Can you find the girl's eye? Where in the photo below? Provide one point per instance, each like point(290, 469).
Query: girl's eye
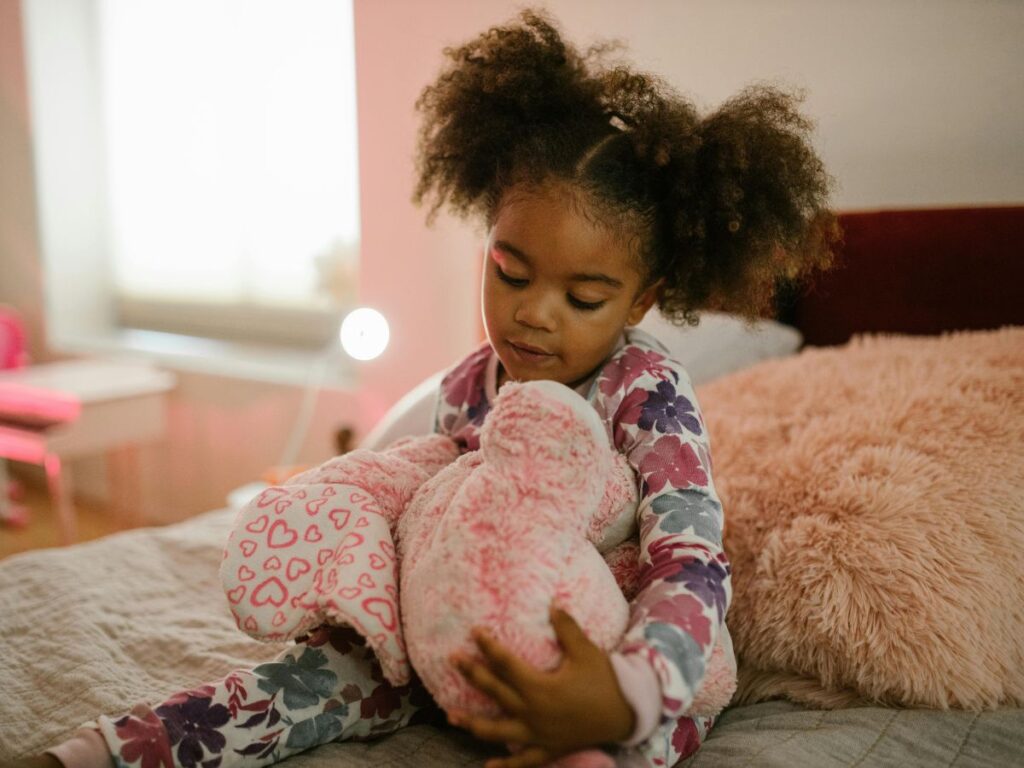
point(518, 282)
point(515, 282)
point(586, 306)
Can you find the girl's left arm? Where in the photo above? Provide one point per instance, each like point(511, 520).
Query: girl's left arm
point(685, 578)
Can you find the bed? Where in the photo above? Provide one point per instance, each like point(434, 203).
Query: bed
point(135, 616)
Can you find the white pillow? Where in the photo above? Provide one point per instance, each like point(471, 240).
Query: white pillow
point(412, 415)
point(721, 344)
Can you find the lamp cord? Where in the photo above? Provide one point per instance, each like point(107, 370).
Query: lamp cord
point(314, 383)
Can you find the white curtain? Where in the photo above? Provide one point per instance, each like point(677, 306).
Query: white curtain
point(231, 148)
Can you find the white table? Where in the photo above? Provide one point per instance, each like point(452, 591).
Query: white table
point(58, 411)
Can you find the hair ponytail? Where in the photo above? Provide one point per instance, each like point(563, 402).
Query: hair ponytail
point(513, 99)
point(752, 211)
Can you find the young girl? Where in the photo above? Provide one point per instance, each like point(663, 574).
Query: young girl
point(604, 193)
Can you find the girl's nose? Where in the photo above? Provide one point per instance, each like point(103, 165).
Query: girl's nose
point(535, 313)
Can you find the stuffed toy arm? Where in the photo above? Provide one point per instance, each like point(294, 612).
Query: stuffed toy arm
point(320, 549)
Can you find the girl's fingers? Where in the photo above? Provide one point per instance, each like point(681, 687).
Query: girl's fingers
point(568, 632)
point(484, 680)
point(504, 729)
point(506, 665)
point(528, 758)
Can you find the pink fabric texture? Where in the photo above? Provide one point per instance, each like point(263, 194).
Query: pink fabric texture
point(639, 686)
point(320, 548)
point(876, 502)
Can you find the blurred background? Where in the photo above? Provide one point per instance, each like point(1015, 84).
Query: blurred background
point(211, 185)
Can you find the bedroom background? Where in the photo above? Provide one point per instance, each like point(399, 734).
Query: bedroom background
point(916, 105)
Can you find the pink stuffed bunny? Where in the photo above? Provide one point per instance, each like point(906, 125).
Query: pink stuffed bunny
point(490, 538)
point(493, 539)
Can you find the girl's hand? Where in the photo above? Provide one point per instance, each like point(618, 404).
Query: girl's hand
point(575, 706)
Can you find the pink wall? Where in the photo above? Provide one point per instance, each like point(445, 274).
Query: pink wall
point(423, 280)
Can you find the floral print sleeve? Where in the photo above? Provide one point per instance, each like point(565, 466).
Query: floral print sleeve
point(462, 403)
point(648, 403)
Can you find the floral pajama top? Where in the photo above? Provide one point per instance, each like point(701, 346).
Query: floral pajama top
point(648, 407)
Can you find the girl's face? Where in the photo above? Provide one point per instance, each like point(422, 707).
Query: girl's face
point(557, 289)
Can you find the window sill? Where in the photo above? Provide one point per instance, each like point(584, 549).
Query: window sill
point(215, 357)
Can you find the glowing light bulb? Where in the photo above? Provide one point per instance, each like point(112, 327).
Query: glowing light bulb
point(364, 333)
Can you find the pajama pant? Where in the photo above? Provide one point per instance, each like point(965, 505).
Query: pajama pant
point(327, 687)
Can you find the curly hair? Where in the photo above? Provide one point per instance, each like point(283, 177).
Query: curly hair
point(720, 208)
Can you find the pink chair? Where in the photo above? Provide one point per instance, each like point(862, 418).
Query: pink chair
point(12, 355)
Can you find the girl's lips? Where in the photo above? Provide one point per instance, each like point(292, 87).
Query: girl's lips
point(529, 348)
point(527, 355)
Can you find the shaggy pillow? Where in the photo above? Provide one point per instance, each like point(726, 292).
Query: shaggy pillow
point(874, 495)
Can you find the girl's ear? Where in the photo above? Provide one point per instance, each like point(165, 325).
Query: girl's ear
point(643, 302)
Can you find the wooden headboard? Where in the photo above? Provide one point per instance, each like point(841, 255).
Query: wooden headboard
point(916, 272)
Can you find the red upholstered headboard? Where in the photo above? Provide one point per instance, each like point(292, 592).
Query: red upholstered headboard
point(917, 272)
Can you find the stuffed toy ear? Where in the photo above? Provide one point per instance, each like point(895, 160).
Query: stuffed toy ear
point(320, 548)
point(541, 415)
point(305, 555)
point(547, 435)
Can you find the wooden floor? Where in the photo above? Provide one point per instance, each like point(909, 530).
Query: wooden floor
point(42, 529)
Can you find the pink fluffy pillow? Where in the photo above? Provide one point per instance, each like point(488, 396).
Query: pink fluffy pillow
point(875, 503)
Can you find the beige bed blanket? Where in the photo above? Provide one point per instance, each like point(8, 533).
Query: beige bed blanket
point(96, 628)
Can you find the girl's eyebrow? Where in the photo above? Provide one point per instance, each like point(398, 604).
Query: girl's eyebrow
point(579, 277)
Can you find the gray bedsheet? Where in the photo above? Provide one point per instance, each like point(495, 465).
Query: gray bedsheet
point(97, 627)
point(778, 733)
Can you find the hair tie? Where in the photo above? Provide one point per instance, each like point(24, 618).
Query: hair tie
point(618, 121)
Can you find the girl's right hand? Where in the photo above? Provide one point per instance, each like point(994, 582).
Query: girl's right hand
point(576, 706)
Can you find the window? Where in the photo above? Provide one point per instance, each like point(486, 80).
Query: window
point(197, 165)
